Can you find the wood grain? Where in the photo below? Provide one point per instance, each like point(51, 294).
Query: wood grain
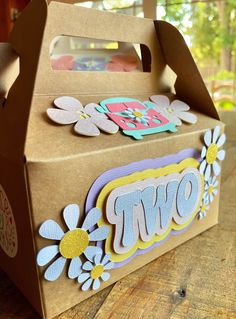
point(194, 281)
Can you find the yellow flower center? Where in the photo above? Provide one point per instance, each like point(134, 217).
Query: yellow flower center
point(170, 110)
point(210, 190)
point(211, 154)
point(83, 115)
point(203, 208)
point(74, 243)
point(137, 114)
point(97, 271)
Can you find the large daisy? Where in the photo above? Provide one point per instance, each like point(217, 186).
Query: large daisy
point(176, 111)
point(96, 270)
point(88, 121)
point(211, 153)
point(72, 243)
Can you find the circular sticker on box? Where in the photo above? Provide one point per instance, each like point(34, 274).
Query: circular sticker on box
point(8, 233)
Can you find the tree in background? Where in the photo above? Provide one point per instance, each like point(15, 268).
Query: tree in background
point(210, 27)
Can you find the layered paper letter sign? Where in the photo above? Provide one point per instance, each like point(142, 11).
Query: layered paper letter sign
point(132, 209)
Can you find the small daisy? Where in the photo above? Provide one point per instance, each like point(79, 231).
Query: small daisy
point(211, 153)
point(96, 269)
point(175, 112)
point(72, 244)
point(137, 115)
point(210, 189)
point(203, 210)
point(88, 121)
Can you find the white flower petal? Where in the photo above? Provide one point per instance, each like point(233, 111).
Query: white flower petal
point(188, 117)
point(216, 168)
point(68, 103)
point(179, 106)
point(62, 117)
point(159, 109)
point(87, 284)
point(105, 125)
point(55, 269)
point(96, 284)
point(221, 155)
point(75, 268)
point(160, 100)
point(173, 118)
point(208, 172)
point(91, 252)
point(91, 218)
point(211, 198)
point(202, 215)
point(215, 192)
point(105, 276)
point(207, 200)
point(207, 138)
point(91, 110)
point(106, 259)
point(83, 277)
point(46, 254)
point(216, 134)
point(214, 180)
point(204, 151)
point(109, 266)
point(97, 259)
point(86, 127)
point(71, 216)
point(87, 266)
point(51, 230)
point(221, 140)
point(215, 183)
point(100, 233)
point(202, 167)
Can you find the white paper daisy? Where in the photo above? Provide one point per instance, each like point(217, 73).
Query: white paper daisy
point(88, 121)
point(137, 115)
point(72, 244)
point(175, 112)
point(96, 270)
point(210, 189)
point(211, 153)
point(203, 210)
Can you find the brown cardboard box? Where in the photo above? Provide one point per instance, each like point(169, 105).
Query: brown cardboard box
point(44, 168)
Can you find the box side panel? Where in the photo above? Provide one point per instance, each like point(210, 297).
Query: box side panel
point(17, 256)
point(57, 184)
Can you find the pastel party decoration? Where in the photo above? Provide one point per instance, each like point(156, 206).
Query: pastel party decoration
point(212, 153)
point(203, 210)
point(72, 244)
point(65, 62)
point(136, 119)
point(88, 121)
point(142, 208)
point(8, 231)
point(175, 111)
point(122, 63)
point(211, 189)
point(95, 270)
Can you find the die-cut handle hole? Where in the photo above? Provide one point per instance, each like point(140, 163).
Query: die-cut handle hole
point(80, 54)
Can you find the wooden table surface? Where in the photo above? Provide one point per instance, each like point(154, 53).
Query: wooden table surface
point(194, 281)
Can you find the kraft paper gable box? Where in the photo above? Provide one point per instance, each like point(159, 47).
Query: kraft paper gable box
point(78, 213)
